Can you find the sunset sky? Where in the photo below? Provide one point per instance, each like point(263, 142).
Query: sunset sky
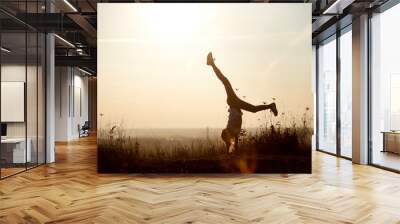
point(152, 69)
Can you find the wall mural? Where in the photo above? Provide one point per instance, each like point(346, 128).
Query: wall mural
point(204, 88)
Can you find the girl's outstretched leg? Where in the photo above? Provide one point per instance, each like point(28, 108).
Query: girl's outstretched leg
point(254, 109)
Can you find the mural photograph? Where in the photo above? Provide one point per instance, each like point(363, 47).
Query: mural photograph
point(204, 88)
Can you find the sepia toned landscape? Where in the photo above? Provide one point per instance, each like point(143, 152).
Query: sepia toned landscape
point(204, 88)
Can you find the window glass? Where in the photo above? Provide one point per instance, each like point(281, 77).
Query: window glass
point(346, 94)
point(385, 88)
point(327, 96)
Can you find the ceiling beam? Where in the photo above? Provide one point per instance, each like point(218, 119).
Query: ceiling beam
point(84, 24)
point(82, 61)
point(337, 6)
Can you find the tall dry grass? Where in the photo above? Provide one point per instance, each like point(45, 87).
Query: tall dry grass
point(283, 138)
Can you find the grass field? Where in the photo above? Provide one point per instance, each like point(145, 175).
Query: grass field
point(271, 148)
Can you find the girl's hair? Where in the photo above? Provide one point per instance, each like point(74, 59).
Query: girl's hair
point(226, 135)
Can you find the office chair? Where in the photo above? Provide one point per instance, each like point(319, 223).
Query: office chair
point(84, 130)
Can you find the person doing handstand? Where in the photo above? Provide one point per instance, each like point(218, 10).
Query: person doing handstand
point(230, 134)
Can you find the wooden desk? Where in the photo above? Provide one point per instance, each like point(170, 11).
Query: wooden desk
point(15, 148)
point(391, 141)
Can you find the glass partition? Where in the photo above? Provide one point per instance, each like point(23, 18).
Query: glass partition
point(13, 94)
point(22, 88)
point(31, 97)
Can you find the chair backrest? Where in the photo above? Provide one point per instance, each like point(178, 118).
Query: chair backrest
point(86, 124)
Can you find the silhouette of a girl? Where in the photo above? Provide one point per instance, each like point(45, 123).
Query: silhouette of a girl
point(230, 134)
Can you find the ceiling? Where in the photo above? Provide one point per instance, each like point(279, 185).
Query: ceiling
point(76, 22)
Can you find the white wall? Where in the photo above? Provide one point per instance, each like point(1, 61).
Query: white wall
point(81, 89)
point(12, 73)
point(62, 81)
point(71, 87)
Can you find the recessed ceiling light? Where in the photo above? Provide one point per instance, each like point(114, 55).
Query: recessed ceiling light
point(70, 5)
point(64, 40)
point(84, 71)
point(338, 6)
point(5, 50)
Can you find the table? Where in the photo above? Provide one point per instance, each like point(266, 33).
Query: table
point(15, 148)
point(391, 141)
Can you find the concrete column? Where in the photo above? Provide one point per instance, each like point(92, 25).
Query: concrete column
point(360, 90)
point(50, 110)
point(50, 92)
